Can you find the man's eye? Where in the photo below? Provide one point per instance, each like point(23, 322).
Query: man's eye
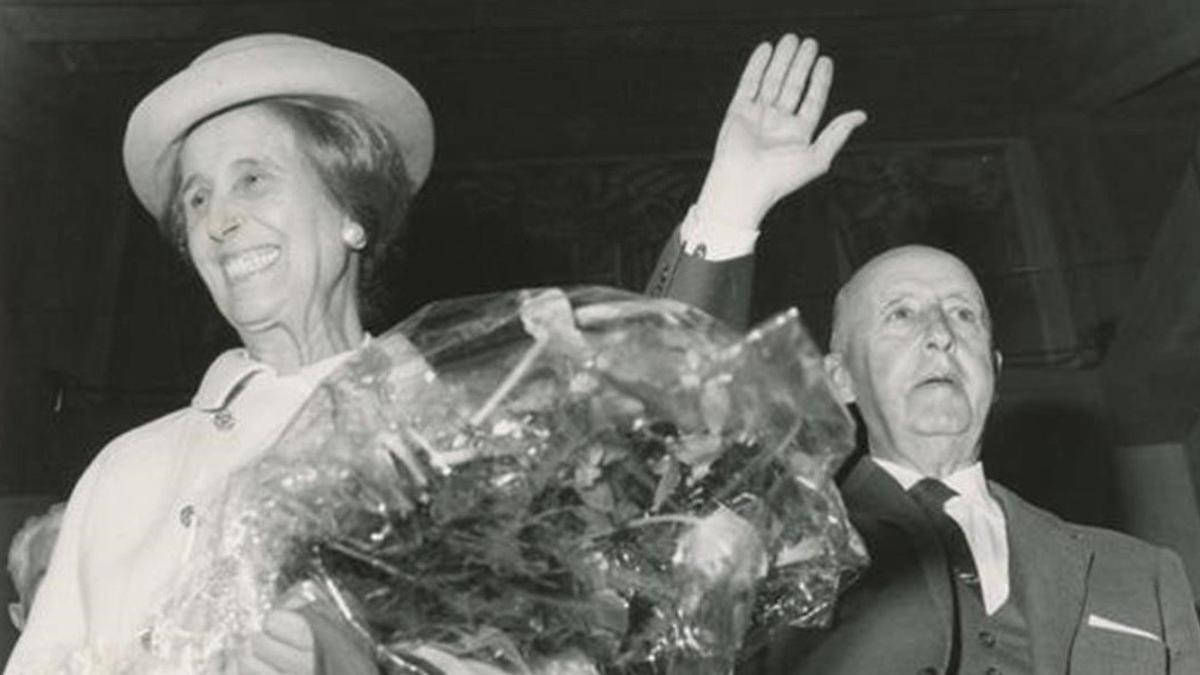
point(196, 200)
point(966, 314)
point(900, 314)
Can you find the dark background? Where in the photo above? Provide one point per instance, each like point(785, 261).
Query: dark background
point(1052, 143)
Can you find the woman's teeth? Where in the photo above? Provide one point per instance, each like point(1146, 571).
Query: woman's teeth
point(249, 262)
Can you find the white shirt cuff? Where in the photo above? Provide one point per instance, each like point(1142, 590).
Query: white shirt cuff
point(714, 241)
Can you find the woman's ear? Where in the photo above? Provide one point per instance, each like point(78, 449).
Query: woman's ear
point(354, 235)
point(839, 378)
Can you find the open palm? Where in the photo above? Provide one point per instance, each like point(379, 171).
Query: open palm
point(766, 147)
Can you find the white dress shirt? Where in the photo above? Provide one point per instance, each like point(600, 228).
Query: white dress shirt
point(982, 521)
point(715, 241)
point(130, 524)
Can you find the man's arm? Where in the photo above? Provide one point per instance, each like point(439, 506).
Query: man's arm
point(765, 151)
point(721, 288)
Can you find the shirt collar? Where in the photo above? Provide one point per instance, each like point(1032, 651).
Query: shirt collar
point(229, 372)
point(968, 481)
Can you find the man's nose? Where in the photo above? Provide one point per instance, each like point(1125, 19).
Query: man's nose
point(938, 334)
point(222, 223)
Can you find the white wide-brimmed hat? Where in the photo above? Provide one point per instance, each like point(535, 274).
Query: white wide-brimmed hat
point(258, 66)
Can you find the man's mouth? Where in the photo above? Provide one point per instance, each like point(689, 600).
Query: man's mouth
point(249, 262)
point(939, 380)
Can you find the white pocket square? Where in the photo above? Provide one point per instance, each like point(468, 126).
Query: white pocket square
point(1097, 621)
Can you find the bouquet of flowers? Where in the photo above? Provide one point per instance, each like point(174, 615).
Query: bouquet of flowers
point(513, 477)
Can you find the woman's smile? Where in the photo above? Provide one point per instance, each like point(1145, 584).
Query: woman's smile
point(242, 265)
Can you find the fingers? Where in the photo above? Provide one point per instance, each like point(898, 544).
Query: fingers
point(285, 645)
point(777, 69)
point(835, 134)
point(752, 74)
point(288, 628)
point(248, 664)
point(818, 92)
point(797, 76)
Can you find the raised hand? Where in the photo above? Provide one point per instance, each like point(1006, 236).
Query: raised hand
point(765, 149)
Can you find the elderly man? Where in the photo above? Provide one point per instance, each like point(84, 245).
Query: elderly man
point(966, 577)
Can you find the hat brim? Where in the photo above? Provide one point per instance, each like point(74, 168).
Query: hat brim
point(261, 66)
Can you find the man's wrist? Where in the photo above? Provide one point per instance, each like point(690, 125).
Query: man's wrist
point(716, 238)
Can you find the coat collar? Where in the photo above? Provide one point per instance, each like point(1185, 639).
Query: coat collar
point(230, 372)
point(225, 376)
point(1049, 566)
point(872, 494)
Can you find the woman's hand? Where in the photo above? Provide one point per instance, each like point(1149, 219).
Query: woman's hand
point(765, 149)
point(285, 645)
point(306, 635)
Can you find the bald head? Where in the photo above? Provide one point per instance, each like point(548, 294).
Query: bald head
point(912, 346)
point(902, 261)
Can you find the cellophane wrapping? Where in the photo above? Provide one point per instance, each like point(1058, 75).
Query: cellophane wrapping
point(585, 477)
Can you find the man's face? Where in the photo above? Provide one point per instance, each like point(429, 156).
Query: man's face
point(917, 353)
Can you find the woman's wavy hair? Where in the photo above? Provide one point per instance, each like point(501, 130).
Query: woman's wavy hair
point(359, 163)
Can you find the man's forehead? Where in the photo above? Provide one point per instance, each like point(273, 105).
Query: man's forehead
point(914, 270)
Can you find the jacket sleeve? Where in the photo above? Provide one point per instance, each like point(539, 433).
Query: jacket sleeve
point(720, 288)
point(1181, 628)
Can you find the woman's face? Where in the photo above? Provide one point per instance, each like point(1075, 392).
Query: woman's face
point(261, 227)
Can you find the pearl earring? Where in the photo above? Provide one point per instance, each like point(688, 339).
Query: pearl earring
point(354, 236)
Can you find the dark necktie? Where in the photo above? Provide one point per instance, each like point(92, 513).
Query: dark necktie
point(932, 495)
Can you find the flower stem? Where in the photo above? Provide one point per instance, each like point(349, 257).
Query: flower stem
point(509, 382)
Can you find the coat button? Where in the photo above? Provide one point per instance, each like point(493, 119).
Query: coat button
point(187, 515)
point(223, 420)
point(992, 670)
point(928, 670)
point(987, 639)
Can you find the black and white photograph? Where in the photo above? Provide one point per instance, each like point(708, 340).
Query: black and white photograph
point(600, 337)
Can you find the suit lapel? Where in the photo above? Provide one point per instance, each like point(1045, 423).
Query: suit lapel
point(1049, 567)
point(871, 493)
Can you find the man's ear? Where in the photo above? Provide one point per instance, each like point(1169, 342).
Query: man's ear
point(839, 378)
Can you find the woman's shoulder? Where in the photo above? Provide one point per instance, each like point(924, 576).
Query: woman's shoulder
point(144, 445)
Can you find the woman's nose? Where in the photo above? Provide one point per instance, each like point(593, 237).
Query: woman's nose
point(221, 224)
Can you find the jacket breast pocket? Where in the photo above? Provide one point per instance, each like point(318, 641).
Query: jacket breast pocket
point(1104, 652)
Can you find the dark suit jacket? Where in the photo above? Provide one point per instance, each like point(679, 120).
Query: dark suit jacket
point(1067, 578)
point(721, 289)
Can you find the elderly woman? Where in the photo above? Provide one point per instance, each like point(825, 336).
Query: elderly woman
point(283, 167)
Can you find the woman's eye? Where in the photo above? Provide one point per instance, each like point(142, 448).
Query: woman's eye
point(196, 200)
point(252, 180)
